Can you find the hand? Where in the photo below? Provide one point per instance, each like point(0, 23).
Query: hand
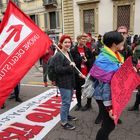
point(47, 51)
point(111, 115)
point(82, 76)
point(84, 59)
point(72, 64)
point(135, 69)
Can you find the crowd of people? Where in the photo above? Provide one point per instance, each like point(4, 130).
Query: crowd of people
point(100, 59)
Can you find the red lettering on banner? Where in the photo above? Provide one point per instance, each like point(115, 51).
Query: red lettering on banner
point(39, 117)
point(27, 132)
point(53, 113)
point(52, 109)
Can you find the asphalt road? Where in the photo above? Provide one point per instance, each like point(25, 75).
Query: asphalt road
point(32, 85)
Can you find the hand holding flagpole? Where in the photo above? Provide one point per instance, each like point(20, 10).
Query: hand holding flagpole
point(71, 63)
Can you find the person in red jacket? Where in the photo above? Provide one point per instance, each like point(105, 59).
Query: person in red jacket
point(45, 59)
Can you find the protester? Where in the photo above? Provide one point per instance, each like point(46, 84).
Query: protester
point(106, 64)
point(83, 59)
point(65, 80)
point(127, 51)
point(99, 44)
point(45, 59)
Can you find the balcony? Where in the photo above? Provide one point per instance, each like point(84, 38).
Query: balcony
point(50, 3)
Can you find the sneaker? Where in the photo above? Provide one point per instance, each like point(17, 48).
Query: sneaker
point(71, 118)
point(133, 108)
point(12, 96)
point(45, 84)
point(18, 100)
point(53, 83)
point(3, 106)
point(68, 126)
point(119, 121)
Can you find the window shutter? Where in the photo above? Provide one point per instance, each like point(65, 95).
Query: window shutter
point(45, 20)
point(36, 20)
point(57, 20)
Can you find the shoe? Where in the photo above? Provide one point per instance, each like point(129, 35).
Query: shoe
point(68, 126)
point(12, 96)
point(86, 107)
point(45, 84)
point(3, 106)
point(119, 121)
point(133, 108)
point(77, 108)
point(71, 118)
point(53, 83)
point(98, 120)
point(18, 100)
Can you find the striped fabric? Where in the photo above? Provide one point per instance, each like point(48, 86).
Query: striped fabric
point(106, 64)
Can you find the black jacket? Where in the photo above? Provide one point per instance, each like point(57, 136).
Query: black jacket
point(65, 74)
point(78, 59)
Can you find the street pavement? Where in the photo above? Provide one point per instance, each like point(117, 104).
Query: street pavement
point(86, 129)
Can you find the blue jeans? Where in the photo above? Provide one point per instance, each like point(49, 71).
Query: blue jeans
point(66, 96)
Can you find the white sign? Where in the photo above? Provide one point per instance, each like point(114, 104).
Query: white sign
point(32, 119)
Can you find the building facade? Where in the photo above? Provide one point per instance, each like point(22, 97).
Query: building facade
point(100, 16)
point(47, 14)
point(56, 17)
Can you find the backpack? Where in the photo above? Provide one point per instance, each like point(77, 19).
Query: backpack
point(51, 69)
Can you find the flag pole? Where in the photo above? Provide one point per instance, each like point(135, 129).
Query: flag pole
point(68, 59)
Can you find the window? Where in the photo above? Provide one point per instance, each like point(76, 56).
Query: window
point(34, 18)
point(88, 20)
point(51, 20)
point(52, 16)
point(124, 14)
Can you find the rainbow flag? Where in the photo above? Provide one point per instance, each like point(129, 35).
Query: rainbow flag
point(106, 64)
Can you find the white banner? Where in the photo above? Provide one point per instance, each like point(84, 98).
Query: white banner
point(33, 119)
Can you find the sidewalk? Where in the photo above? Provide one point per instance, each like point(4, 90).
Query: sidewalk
point(86, 129)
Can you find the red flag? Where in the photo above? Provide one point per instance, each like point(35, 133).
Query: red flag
point(123, 83)
point(22, 43)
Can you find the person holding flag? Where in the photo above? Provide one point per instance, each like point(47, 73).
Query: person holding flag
point(102, 71)
point(65, 79)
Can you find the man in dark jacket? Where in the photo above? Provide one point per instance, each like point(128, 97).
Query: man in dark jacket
point(127, 51)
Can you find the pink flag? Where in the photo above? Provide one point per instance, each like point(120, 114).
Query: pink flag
point(123, 83)
point(22, 43)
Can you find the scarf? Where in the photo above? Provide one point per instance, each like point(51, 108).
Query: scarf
point(106, 64)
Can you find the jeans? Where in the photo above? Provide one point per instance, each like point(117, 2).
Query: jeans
point(66, 96)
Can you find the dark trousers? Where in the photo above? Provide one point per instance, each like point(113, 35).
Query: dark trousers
point(137, 102)
point(16, 91)
point(99, 103)
point(45, 71)
point(79, 83)
point(107, 125)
